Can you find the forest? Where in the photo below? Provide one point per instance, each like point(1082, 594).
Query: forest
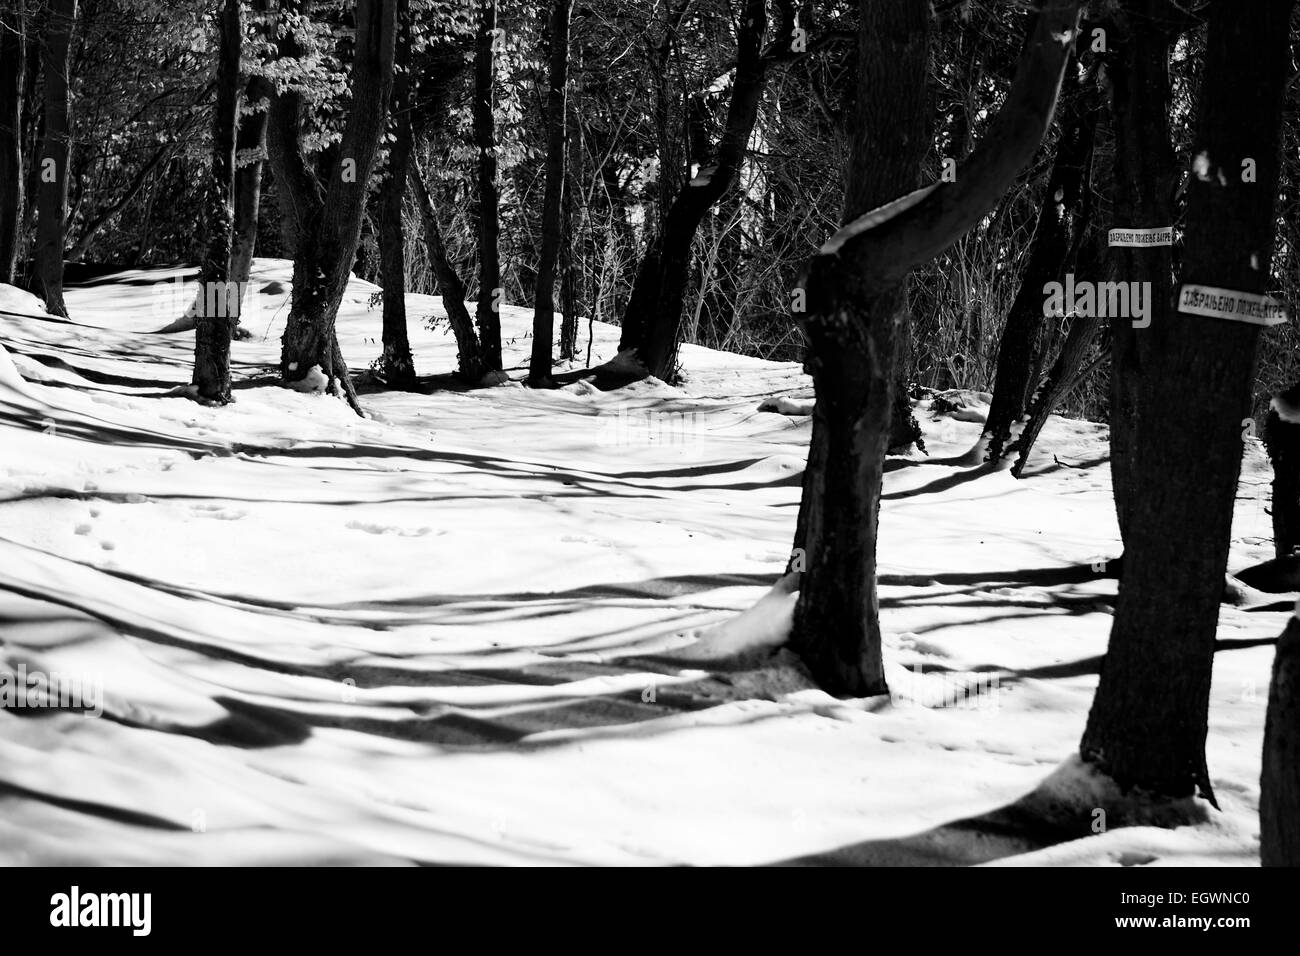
point(650, 432)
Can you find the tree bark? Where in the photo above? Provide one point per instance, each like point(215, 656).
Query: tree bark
point(396, 362)
point(856, 311)
point(539, 370)
point(1282, 439)
point(13, 52)
point(652, 318)
point(489, 266)
point(250, 144)
point(1279, 783)
point(326, 219)
point(218, 305)
point(1149, 719)
point(56, 156)
point(1020, 353)
point(450, 287)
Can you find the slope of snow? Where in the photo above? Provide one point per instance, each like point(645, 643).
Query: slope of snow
point(493, 625)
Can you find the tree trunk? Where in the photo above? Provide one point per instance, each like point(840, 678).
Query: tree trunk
point(1020, 353)
point(326, 221)
point(56, 156)
point(251, 144)
point(13, 51)
point(1282, 439)
point(539, 370)
point(652, 319)
point(1149, 718)
point(487, 312)
point(397, 364)
point(1279, 782)
point(469, 356)
point(219, 300)
point(856, 318)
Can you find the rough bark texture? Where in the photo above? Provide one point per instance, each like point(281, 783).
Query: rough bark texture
point(396, 363)
point(856, 314)
point(1020, 353)
point(13, 51)
point(216, 314)
point(326, 219)
point(468, 353)
point(56, 155)
point(1279, 782)
point(1146, 176)
point(1149, 718)
point(489, 226)
point(652, 318)
point(552, 223)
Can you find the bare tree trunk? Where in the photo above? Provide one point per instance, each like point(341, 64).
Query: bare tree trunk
point(397, 364)
point(856, 310)
point(248, 177)
point(327, 218)
point(1279, 784)
point(652, 318)
point(13, 52)
point(489, 228)
point(450, 287)
point(1149, 719)
point(539, 371)
point(1020, 353)
point(219, 300)
point(56, 155)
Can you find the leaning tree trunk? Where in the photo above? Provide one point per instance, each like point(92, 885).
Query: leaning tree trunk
point(1279, 783)
point(1156, 675)
point(856, 311)
point(487, 313)
point(56, 156)
point(326, 220)
point(219, 299)
point(398, 367)
point(1020, 353)
point(652, 318)
point(13, 49)
point(539, 369)
point(470, 364)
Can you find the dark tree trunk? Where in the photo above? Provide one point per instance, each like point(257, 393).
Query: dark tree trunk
point(856, 317)
point(251, 141)
point(397, 364)
point(1282, 439)
point(450, 286)
point(218, 307)
point(1149, 718)
point(539, 370)
point(1020, 353)
point(56, 156)
point(1279, 783)
point(326, 219)
point(1143, 194)
point(13, 52)
point(652, 319)
point(486, 313)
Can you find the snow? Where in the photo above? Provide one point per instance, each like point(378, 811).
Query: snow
point(508, 625)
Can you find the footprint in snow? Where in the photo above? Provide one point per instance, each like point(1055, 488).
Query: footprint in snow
point(1134, 858)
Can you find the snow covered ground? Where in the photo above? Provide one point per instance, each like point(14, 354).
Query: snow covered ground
point(431, 636)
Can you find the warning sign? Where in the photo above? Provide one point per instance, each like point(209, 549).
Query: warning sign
point(1230, 304)
point(1160, 236)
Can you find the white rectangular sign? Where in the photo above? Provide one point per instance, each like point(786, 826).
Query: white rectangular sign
point(1159, 236)
point(1230, 304)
